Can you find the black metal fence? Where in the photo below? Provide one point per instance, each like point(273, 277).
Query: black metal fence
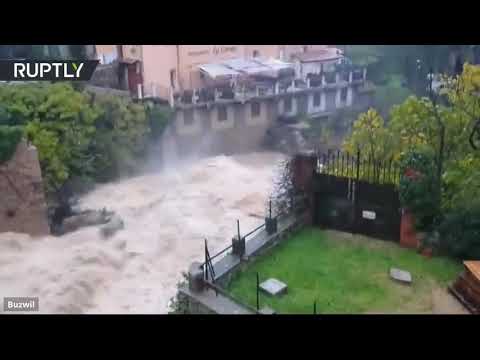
point(359, 167)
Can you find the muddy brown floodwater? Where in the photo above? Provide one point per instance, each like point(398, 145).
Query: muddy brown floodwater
point(167, 216)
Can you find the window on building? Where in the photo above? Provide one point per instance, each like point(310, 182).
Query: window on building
point(287, 104)
point(316, 99)
point(222, 113)
point(172, 78)
point(255, 109)
point(343, 94)
point(188, 117)
point(256, 53)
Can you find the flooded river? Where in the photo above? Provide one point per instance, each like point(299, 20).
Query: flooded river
point(167, 216)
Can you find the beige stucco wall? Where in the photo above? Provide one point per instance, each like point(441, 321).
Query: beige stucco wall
point(193, 55)
point(263, 50)
point(158, 61)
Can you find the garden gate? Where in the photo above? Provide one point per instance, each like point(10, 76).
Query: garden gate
point(357, 195)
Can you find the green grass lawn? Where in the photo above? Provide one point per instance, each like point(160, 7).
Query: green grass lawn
point(344, 274)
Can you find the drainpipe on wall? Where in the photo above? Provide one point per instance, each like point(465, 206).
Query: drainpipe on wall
point(142, 68)
point(119, 52)
point(179, 78)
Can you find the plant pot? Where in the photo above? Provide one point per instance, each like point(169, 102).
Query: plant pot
point(427, 252)
point(420, 239)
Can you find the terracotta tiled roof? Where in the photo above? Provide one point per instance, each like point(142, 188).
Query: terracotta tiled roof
point(319, 55)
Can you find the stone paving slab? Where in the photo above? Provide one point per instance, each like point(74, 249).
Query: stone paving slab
point(401, 275)
point(273, 287)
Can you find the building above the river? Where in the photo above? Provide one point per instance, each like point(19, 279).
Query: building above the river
point(227, 98)
point(184, 74)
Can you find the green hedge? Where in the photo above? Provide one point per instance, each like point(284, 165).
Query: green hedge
point(418, 189)
point(459, 233)
point(10, 136)
point(79, 135)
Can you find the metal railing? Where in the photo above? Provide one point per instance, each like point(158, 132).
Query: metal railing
point(358, 167)
point(208, 266)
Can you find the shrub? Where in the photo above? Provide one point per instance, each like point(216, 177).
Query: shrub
point(178, 304)
point(78, 135)
point(418, 190)
point(158, 118)
point(9, 138)
point(122, 134)
point(459, 233)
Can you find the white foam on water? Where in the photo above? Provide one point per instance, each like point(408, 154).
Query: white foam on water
point(167, 216)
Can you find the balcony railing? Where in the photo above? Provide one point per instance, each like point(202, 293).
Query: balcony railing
point(254, 89)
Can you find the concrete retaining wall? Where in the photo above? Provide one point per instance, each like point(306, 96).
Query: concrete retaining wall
point(198, 129)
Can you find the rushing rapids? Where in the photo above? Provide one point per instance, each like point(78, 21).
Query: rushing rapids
point(167, 216)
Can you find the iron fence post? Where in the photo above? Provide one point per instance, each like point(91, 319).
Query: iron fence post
point(205, 266)
point(338, 163)
point(355, 195)
point(238, 229)
point(358, 165)
point(258, 292)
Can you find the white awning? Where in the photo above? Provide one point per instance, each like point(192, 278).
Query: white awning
point(249, 67)
point(240, 66)
point(275, 64)
point(218, 70)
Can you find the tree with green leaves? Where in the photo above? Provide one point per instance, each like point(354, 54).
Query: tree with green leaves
point(440, 131)
point(58, 121)
point(416, 125)
point(372, 139)
point(78, 135)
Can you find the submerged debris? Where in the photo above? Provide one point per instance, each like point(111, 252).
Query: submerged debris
point(114, 225)
point(85, 218)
